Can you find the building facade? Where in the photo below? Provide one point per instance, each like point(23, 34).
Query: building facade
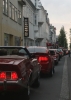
point(11, 14)
point(12, 23)
point(52, 34)
point(43, 24)
point(42, 34)
point(29, 11)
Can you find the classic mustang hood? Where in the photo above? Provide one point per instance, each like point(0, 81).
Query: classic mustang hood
point(13, 59)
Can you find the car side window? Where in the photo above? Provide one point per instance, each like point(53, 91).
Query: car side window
point(22, 52)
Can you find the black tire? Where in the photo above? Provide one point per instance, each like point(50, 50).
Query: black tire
point(59, 59)
point(57, 63)
point(51, 72)
point(36, 82)
point(25, 94)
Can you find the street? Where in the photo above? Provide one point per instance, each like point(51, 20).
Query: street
point(55, 88)
point(50, 88)
point(35, 35)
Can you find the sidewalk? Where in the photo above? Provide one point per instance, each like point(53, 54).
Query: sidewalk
point(69, 74)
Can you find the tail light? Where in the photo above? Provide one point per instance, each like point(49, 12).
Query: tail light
point(8, 75)
point(43, 59)
point(14, 76)
point(3, 75)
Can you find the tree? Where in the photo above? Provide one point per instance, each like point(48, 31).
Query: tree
point(70, 39)
point(70, 46)
point(62, 38)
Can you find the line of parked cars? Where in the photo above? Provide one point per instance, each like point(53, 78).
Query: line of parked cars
point(21, 67)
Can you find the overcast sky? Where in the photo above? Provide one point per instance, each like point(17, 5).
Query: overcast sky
point(59, 13)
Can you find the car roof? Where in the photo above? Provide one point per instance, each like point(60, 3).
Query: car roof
point(38, 47)
point(52, 49)
point(12, 47)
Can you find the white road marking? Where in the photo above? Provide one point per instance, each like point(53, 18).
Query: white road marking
point(64, 95)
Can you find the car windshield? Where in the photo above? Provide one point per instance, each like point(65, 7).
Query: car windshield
point(37, 50)
point(52, 52)
point(13, 51)
point(60, 50)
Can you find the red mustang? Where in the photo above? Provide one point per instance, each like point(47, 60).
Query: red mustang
point(44, 58)
point(18, 70)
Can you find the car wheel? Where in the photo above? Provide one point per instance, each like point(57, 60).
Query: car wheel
point(36, 82)
point(51, 72)
point(57, 62)
point(59, 58)
point(26, 94)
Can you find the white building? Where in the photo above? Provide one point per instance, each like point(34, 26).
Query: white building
point(42, 35)
point(43, 27)
point(39, 25)
point(52, 34)
point(29, 11)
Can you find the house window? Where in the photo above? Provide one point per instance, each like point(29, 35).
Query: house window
point(19, 17)
point(5, 7)
point(10, 10)
point(17, 41)
point(13, 12)
point(6, 39)
point(16, 14)
point(35, 3)
point(35, 20)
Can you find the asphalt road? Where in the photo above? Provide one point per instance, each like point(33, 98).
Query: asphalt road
point(54, 88)
point(50, 88)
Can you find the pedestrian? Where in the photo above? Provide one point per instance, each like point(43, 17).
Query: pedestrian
point(69, 53)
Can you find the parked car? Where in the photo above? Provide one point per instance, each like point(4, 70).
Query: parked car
point(65, 51)
point(44, 58)
point(60, 52)
point(54, 54)
point(18, 70)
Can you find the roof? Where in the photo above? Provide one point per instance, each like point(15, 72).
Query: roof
point(39, 49)
point(52, 49)
point(12, 47)
point(36, 47)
